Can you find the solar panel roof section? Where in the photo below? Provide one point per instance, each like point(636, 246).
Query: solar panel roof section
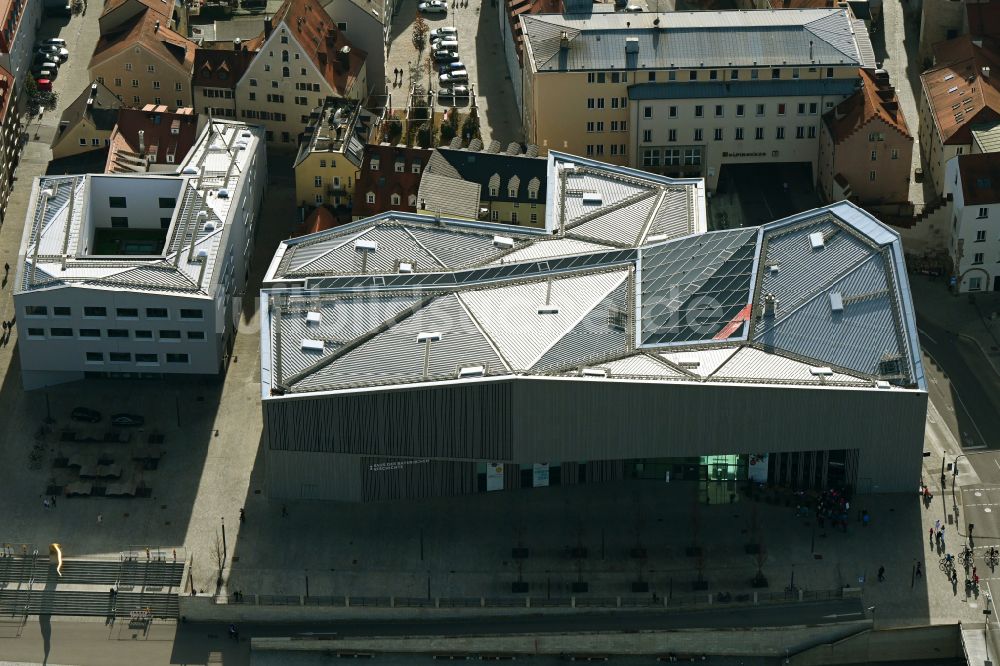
point(693, 287)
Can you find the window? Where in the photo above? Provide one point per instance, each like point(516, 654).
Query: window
point(719, 111)
point(692, 156)
point(191, 313)
point(117, 202)
point(652, 76)
point(156, 313)
point(781, 109)
point(739, 110)
point(120, 357)
point(61, 332)
point(672, 157)
point(253, 82)
point(370, 197)
point(673, 112)
point(127, 313)
point(776, 73)
point(146, 359)
point(590, 126)
point(829, 72)
point(135, 83)
point(318, 181)
point(647, 135)
point(758, 133)
point(651, 157)
point(117, 332)
point(119, 222)
point(590, 151)
point(647, 112)
point(980, 235)
point(760, 110)
point(36, 333)
point(977, 258)
point(196, 335)
point(253, 96)
point(178, 87)
point(718, 134)
point(672, 75)
point(811, 133)
point(600, 102)
point(128, 67)
point(60, 311)
point(156, 85)
point(168, 202)
point(739, 133)
point(83, 142)
point(394, 199)
point(118, 81)
point(415, 167)
point(813, 108)
point(984, 212)
point(318, 199)
point(802, 109)
point(95, 311)
point(170, 335)
point(693, 75)
point(534, 216)
point(734, 74)
point(672, 135)
point(698, 135)
point(90, 333)
point(373, 165)
point(800, 132)
point(754, 74)
point(95, 357)
point(713, 74)
point(871, 176)
point(143, 335)
point(342, 26)
point(779, 133)
point(874, 155)
point(285, 72)
point(894, 154)
point(513, 217)
point(699, 111)
point(494, 215)
point(975, 283)
point(795, 72)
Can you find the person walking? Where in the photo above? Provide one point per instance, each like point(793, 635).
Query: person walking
point(45, 502)
point(920, 572)
point(881, 574)
point(100, 518)
point(937, 524)
point(53, 501)
point(243, 516)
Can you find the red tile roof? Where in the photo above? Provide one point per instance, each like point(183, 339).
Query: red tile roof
point(958, 90)
point(223, 67)
point(148, 30)
point(980, 178)
point(6, 91)
point(387, 181)
point(165, 133)
point(334, 55)
point(869, 102)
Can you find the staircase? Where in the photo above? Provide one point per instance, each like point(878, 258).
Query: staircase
point(31, 586)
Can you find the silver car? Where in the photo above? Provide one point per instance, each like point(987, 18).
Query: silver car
point(456, 76)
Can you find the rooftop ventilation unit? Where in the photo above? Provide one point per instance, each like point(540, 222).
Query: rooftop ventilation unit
point(202, 215)
point(882, 384)
point(190, 170)
point(241, 145)
point(503, 241)
point(593, 372)
point(363, 245)
point(429, 337)
point(548, 309)
point(836, 301)
point(405, 267)
point(774, 268)
point(816, 239)
point(471, 371)
point(208, 227)
point(312, 345)
point(770, 305)
point(202, 254)
point(592, 199)
point(631, 45)
point(656, 238)
point(223, 193)
point(246, 135)
point(313, 318)
point(821, 371)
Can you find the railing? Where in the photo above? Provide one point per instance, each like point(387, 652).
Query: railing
point(707, 599)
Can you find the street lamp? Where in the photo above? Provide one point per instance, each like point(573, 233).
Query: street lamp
point(872, 609)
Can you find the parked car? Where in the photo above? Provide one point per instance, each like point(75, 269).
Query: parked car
point(433, 7)
point(44, 84)
point(444, 55)
point(445, 44)
point(44, 62)
point(633, 8)
point(444, 31)
point(456, 76)
point(455, 92)
point(85, 414)
point(444, 68)
point(127, 420)
point(43, 73)
point(54, 52)
point(53, 41)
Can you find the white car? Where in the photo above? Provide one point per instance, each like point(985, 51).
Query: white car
point(445, 31)
point(454, 92)
point(433, 7)
point(54, 41)
point(445, 44)
point(53, 52)
point(457, 76)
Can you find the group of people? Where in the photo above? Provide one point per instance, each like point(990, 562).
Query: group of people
point(834, 506)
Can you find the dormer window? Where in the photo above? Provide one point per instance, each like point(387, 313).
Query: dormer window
point(374, 164)
point(415, 168)
point(370, 198)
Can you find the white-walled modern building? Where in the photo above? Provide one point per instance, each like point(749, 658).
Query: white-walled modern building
point(141, 274)
point(408, 355)
point(973, 181)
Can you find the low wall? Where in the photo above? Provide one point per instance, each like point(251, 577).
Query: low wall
point(904, 645)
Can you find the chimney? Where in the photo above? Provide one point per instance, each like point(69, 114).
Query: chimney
point(770, 305)
point(142, 142)
point(564, 40)
point(810, 50)
point(156, 27)
point(986, 72)
point(267, 28)
point(236, 44)
point(344, 57)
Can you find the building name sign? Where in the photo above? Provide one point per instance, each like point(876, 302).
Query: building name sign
point(724, 154)
point(394, 465)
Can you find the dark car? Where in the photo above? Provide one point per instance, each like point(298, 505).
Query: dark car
point(127, 420)
point(445, 55)
point(85, 414)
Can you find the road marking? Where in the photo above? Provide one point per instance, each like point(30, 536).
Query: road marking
point(958, 396)
point(975, 447)
point(995, 462)
point(924, 333)
point(836, 615)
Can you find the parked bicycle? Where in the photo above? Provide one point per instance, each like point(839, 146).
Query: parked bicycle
point(966, 557)
point(947, 564)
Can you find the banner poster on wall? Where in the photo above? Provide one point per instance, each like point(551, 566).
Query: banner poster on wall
point(494, 476)
point(757, 471)
point(540, 475)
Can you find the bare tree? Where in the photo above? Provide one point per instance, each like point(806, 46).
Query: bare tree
point(760, 580)
point(420, 31)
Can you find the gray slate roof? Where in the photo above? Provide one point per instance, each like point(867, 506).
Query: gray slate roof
point(756, 38)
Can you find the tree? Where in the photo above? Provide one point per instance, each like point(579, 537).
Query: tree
point(760, 580)
point(420, 31)
point(449, 129)
point(470, 128)
point(38, 100)
point(424, 135)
